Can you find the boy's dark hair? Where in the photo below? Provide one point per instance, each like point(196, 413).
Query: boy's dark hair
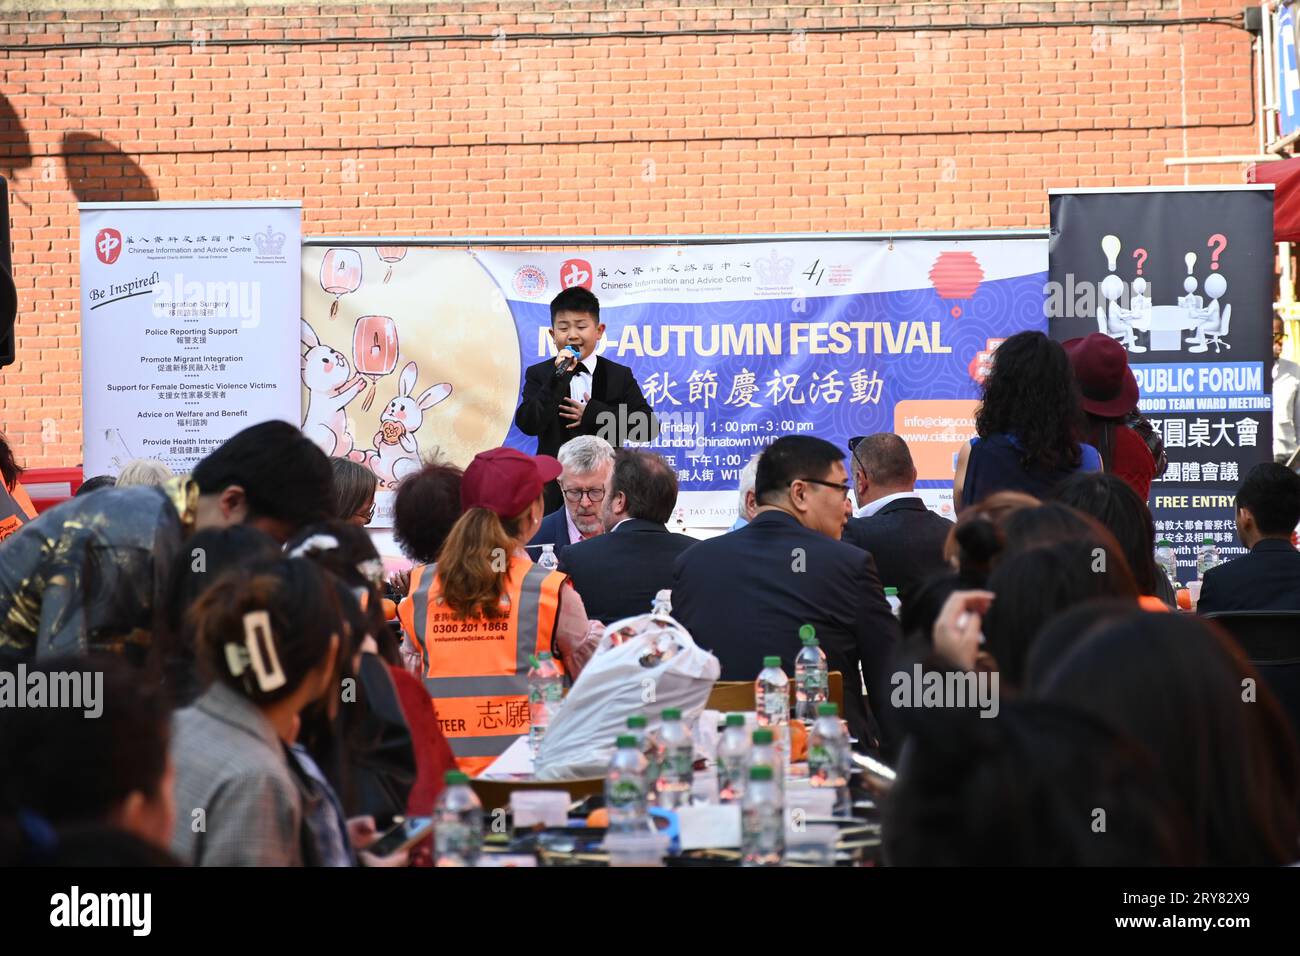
point(791, 457)
point(648, 484)
point(71, 769)
point(1272, 493)
point(427, 504)
point(1021, 790)
point(95, 483)
point(283, 474)
point(576, 299)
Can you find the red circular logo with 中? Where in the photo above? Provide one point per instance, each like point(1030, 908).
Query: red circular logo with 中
point(108, 245)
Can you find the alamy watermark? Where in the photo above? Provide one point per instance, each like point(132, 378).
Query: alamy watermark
point(919, 688)
point(75, 690)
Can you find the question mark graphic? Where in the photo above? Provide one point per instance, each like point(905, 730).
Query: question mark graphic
point(1222, 240)
point(1141, 256)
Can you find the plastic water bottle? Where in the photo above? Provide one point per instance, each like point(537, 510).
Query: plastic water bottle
point(636, 725)
point(457, 823)
point(1206, 558)
point(626, 786)
point(829, 759)
point(733, 760)
point(1167, 560)
point(548, 560)
point(810, 680)
point(545, 691)
point(772, 701)
point(762, 821)
point(676, 761)
point(764, 753)
point(895, 604)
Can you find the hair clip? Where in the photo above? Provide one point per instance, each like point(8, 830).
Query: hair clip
point(317, 542)
point(258, 651)
point(373, 571)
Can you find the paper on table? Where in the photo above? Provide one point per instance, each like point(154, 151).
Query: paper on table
point(515, 762)
point(709, 825)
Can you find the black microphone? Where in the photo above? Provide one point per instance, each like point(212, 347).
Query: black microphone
point(566, 369)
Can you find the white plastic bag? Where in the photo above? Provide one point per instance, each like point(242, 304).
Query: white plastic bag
point(642, 665)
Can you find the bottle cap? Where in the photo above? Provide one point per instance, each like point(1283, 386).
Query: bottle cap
point(760, 773)
point(544, 656)
point(672, 713)
point(828, 710)
point(763, 736)
point(891, 592)
point(636, 722)
point(1208, 540)
point(807, 631)
point(454, 777)
point(625, 740)
point(771, 662)
point(809, 641)
point(1164, 543)
point(735, 720)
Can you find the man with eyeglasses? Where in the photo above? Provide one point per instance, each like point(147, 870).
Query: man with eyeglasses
point(588, 463)
point(746, 594)
point(1286, 400)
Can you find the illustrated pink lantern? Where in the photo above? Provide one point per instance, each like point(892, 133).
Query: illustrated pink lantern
point(340, 273)
point(374, 351)
point(956, 275)
point(391, 254)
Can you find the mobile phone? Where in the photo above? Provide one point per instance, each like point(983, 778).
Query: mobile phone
point(406, 834)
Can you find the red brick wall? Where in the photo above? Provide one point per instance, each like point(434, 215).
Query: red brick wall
point(494, 118)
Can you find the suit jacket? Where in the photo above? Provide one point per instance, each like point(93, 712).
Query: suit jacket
point(1266, 579)
point(613, 390)
point(744, 596)
point(554, 529)
point(906, 538)
point(619, 573)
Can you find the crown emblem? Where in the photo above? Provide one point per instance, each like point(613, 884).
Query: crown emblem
point(774, 270)
point(269, 243)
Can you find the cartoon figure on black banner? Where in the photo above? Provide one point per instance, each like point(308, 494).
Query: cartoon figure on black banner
point(1164, 324)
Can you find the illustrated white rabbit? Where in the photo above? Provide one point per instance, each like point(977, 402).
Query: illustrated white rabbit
point(397, 453)
point(331, 385)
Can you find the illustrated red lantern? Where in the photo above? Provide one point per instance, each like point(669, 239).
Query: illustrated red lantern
point(340, 273)
point(391, 254)
point(374, 351)
point(956, 275)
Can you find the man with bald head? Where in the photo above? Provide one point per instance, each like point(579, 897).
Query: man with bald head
point(892, 523)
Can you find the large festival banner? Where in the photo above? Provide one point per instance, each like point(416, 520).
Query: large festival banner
point(1183, 278)
point(189, 326)
point(408, 350)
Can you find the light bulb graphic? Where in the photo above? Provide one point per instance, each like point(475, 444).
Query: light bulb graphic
point(1110, 245)
point(1190, 259)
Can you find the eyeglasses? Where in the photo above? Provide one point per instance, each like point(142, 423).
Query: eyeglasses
point(368, 515)
point(843, 489)
point(575, 494)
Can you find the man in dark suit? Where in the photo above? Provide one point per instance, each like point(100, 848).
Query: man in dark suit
point(892, 523)
point(744, 595)
point(1268, 578)
point(582, 393)
point(588, 463)
point(619, 573)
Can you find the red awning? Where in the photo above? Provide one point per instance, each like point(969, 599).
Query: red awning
point(1286, 197)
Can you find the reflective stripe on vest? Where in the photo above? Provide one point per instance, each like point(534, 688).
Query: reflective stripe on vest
point(483, 714)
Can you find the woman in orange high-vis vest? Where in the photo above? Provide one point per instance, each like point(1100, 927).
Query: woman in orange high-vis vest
point(479, 615)
point(16, 507)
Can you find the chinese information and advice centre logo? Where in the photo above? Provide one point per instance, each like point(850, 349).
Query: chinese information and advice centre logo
point(108, 245)
point(575, 272)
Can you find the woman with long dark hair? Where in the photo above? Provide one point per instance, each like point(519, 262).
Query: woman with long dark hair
point(16, 507)
point(1027, 424)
